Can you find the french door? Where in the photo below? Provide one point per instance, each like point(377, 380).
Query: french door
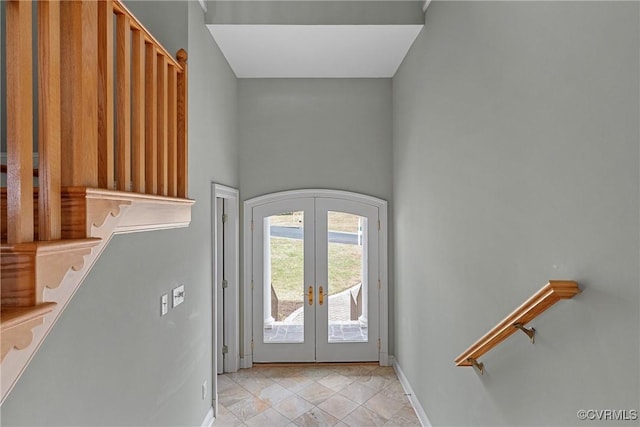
point(315, 280)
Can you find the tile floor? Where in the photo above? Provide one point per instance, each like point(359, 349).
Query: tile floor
point(359, 395)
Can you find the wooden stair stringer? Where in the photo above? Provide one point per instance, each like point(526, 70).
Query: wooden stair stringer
point(93, 215)
point(17, 359)
point(40, 265)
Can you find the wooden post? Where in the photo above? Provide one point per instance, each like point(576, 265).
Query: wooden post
point(49, 209)
point(79, 70)
point(274, 304)
point(105, 95)
point(162, 125)
point(19, 122)
point(182, 146)
point(138, 113)
point(151, 121)
point(123, 111)
point(171, 133)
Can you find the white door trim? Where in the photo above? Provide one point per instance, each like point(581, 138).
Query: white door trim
point(232, 268)
point(248, 205)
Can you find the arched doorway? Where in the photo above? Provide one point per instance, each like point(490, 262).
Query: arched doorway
point(316, 265)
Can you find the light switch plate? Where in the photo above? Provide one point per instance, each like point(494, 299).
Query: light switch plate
point(164, 304)
point(178, 295)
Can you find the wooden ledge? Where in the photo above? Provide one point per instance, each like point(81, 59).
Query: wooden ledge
point(48, 247)
point(29, 268)
point(16, 316)
point(90, 207)
point(551, 293)
point(84, 208)
point(103, 193)
point(17, 325)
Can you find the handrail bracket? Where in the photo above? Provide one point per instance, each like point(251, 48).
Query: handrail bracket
point(478, 365)
point(531, 333)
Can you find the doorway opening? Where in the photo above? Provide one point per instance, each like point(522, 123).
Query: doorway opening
point(316, 270)
point(226, 300)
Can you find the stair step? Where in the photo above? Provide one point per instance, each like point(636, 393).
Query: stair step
point(29, 268)
point(17, 323)
point(10, 317)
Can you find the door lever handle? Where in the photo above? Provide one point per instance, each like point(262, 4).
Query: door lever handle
point(310, 295)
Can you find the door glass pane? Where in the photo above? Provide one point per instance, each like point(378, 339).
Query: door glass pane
point(346, 295)
point(284, 278)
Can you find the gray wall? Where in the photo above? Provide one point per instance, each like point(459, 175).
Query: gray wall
point(307, 12)
point(111, 359)
point(516, 161)
point(316, 133)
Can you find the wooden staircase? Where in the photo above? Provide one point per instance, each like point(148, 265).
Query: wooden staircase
point(107, 164)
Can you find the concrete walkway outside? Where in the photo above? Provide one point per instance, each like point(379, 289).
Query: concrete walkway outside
point(339, 308)
point(341, 328)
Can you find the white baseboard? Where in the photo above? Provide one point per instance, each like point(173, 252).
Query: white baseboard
point(422, 416)
point(208, 420)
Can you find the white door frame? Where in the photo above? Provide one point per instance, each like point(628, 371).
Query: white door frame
point(231, 250)
point(247, 359)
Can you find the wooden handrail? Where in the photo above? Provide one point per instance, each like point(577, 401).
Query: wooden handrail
point(120, 8)
point(551, 293)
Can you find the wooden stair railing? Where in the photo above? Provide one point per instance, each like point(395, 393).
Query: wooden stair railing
point(112, 147)
point(3, 169)
point(551, 293)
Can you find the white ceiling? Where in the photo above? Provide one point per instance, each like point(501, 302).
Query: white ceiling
point(314, 51)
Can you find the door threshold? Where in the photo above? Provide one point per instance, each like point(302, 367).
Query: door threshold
point(292, 364)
